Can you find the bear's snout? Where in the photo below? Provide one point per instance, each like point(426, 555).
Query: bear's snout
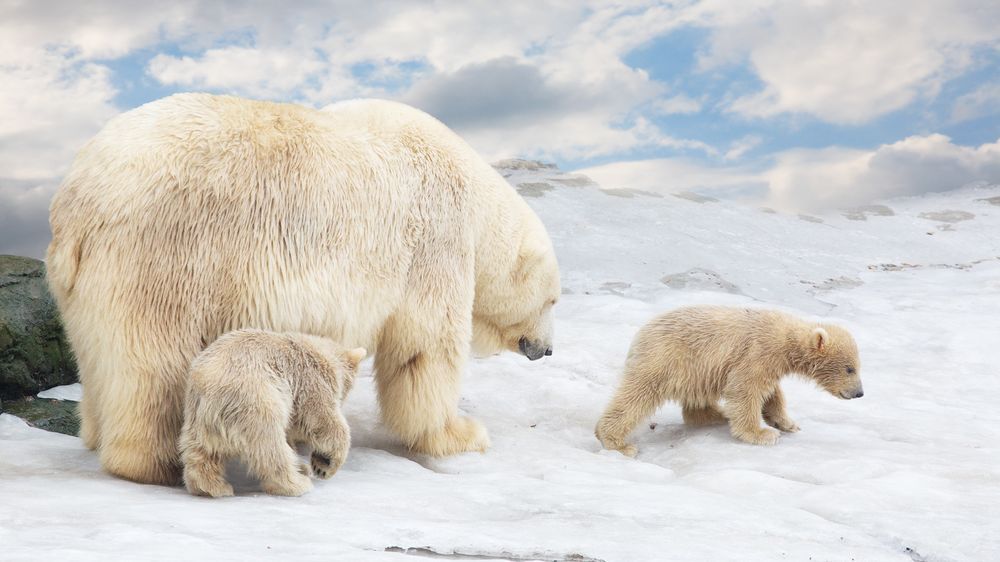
point(533, 350)
point(851, 394)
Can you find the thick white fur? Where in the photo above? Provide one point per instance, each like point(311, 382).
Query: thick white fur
point(369, 223)
point(701, 354)
point(254, 394)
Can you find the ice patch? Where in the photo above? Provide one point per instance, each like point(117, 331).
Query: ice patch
point(947, 216)
point(700, 279)
point(72, 392)
point(629, 193)
point(694, 197)
point(863, 212)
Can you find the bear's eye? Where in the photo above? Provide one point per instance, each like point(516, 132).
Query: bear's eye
point(850, 370)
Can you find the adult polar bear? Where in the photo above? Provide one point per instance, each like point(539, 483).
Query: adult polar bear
point(370, 223)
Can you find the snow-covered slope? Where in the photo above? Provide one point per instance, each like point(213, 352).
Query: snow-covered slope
point(909, 472)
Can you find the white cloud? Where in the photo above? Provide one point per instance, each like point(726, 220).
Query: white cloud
point(912, 166)
point(981, 102)
point(260, 73)
point(677, 104)
point(24, 217)
point(514, 79)
point(848, 62)
point(575, 98)
point(741, 146)
point(820, 178)
point(529, 79)
point(49, 107)
point(672, 175)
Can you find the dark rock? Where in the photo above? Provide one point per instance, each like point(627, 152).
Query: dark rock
point(51, 415)
point(522, 164)
point(34, 353)
point(533, 189)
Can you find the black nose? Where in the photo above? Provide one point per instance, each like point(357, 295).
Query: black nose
point(548, 351)
point(859, 394)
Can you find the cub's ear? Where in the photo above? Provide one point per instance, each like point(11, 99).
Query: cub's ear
point(356, 355)
point(819, 339)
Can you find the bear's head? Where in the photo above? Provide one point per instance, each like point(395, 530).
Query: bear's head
point(513, 308)
point(831, 359)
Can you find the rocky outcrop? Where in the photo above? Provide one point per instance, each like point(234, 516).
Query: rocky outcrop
point(34, 353)
point(51, 415)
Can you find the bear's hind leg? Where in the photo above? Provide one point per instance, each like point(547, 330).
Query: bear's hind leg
point(702, 415)
point(635, 400)
point(141, 416)
point(89, 414)
point(274, 462)
point(89, 365)
point(205, 472)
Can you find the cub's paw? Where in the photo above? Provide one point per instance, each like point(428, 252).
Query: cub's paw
point(786, 425)
point(766, 436)
point(214, 489)
point(628, 450)
point(323, 466)
point(295, 485)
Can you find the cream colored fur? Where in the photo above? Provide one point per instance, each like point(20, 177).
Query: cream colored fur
point(254, 395)
point(369, 223)
point(699, 355)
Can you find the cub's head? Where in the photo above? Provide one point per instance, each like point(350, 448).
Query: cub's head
point(831, 358)
point(513, 309)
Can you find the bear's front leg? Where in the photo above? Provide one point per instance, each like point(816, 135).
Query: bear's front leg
point(418, 396)
point(744, 404)
point(421, 354)
point(775, 414)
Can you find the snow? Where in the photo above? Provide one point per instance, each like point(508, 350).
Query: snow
point(71, 392)
point(909, 472)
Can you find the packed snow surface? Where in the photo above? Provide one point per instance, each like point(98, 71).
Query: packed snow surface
point(909, 472)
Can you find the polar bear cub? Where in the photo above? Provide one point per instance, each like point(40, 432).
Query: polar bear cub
point(699, 355)
point(253, 394)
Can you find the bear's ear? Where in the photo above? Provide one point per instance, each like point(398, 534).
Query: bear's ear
point(819, 339)
point(356, 355)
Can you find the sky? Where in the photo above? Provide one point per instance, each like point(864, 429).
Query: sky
point(800, 104)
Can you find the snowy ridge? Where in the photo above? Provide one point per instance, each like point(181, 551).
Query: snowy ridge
point(909, 472)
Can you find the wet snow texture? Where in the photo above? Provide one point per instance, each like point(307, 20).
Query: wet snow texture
point(909, 472)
